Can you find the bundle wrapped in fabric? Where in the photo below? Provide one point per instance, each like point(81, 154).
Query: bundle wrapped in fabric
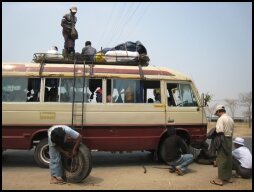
point(118, 56)
point(127, 52)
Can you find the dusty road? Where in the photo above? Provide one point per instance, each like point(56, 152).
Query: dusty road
point(119, 171)
point(112, 171)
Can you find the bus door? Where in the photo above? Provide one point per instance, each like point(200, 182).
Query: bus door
point(182, 109)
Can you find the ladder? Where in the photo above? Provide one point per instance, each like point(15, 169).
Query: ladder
point(75, 111)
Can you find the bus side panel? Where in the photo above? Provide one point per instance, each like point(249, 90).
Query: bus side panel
point(16, 137)
point(123, 137)
point(104, 138)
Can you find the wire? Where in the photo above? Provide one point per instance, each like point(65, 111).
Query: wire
point(128, 20)
point(131, 31)
point(116, 25)
point(107, 24)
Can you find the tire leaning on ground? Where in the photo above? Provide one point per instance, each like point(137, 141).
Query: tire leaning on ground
point(162, 150)
point(78, 167)
point(41, 153)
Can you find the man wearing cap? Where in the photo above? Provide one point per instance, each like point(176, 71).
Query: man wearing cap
point(224, 130)
point(242, 159)
point(70, 34)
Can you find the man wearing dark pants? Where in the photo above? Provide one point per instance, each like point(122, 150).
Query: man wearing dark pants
point(69, 32)
point(224, 130)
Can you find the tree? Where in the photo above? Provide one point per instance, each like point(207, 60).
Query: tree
point(246, 101)
point(208, 97)
point(232, 104)
point(210, 110)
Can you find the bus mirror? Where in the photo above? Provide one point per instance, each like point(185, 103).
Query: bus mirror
point(203, 100)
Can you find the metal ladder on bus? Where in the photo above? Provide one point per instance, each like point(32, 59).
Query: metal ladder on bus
point(75, 111)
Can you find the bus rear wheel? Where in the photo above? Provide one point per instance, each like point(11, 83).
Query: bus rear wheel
point(41, 153)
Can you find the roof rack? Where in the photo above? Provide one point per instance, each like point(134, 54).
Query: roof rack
point(141, 60)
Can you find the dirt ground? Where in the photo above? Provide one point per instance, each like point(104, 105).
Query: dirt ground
point(117, 171)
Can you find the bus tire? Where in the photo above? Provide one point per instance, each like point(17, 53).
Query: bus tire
point(162, 150)
point(41, 153)
point(79, 167)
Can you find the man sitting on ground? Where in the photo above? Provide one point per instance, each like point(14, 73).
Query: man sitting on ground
point(242, 159)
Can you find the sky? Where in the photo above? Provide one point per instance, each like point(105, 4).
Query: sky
point(211, 42)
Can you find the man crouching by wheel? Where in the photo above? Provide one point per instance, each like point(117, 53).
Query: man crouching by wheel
point(58, 135)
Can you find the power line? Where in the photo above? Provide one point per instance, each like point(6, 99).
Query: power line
point(134, 28)
point(115, 28)
point(107, 24)
point(128, 20)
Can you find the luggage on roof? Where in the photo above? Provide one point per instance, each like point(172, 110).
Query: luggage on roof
point(128, 53)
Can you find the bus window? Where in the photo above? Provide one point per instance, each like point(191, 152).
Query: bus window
point(152, 91)
point(133, 91)
point(180, 95)
point(33, 90)
point(61, 90)
point(126, 91)
point(20, 89)
point(95, 88)
point(51, 90)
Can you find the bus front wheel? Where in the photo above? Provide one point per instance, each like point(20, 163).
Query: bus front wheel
point(162, 151)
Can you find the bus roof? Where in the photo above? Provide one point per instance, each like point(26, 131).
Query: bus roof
point(95, 71)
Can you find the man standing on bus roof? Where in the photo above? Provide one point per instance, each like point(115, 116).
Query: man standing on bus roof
point(59, 135)
point(70, 33)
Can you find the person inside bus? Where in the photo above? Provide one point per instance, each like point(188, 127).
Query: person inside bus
point(53, 95)
point(58, 136)
point(129, 95)
point(176, 155)
point(30, 95)
point(150, 100)
point(157, 95)
point(98, 95)
point(109, 98)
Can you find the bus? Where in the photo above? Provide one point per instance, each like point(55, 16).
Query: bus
point(114, 107)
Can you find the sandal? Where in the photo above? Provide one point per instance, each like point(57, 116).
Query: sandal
point(57, 182)
point(228, 180)
point(216, 182)
point(171, 170)
point(62, 181)
point(179, 171)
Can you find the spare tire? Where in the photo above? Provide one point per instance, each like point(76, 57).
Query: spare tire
point(78, 167)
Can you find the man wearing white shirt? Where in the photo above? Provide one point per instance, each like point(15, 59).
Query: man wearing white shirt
point(224, 129)
point(242, 158)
